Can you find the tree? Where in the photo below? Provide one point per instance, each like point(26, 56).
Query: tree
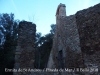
point(9, 27)
point(43, 48)
point(53, 28)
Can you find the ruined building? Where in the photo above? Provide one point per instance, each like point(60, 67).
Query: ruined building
point(66, 51)
point(76, 41)
point(88, 23)
point(24, 55)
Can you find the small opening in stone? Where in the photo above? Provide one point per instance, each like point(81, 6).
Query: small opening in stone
point(60, 59)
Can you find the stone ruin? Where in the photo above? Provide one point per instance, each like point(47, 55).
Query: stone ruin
point(24, 55)
point(88, 23)
point(66, 41)
point(76, 43)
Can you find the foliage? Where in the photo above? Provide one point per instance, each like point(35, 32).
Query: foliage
point(43, 48)
point(9, 27)
point(53, 28)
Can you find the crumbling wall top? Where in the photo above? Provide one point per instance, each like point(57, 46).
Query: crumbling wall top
point(61, 10)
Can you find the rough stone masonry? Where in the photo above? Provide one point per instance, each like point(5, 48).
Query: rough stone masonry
point(24, 55)
point(76, 41)
point(88, 22)
point(66, 51)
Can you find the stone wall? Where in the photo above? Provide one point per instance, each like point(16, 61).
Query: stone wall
point(24, 55)
point(68, 41)
point(88, 22)
point(65, 43)
point(76, 42)
point(77, 37)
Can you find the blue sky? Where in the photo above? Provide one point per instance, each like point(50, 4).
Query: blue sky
point(42, 12)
